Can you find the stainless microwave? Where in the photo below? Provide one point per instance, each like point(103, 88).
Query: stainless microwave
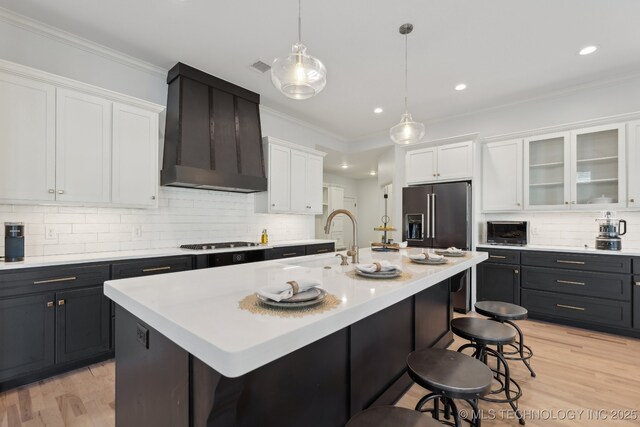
point(507, 232)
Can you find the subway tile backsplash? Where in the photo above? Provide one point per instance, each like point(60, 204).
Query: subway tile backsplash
point(183, 216)
point(568, 228)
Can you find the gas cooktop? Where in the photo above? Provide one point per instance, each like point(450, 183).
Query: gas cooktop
point(219, 245)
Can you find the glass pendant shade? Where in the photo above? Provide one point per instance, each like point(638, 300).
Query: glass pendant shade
point(299, 75)
point(407, 131)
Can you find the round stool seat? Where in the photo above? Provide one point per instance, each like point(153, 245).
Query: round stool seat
point(501, 310)
point(392, 416)
point(451, 373)
point(483, 331)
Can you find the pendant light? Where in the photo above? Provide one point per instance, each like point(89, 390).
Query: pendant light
point(407, 131)
point(299, 75)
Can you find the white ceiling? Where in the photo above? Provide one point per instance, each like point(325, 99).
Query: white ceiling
point(359, 165)
point(504, 50)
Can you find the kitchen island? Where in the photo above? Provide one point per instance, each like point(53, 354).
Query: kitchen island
point(187, 355)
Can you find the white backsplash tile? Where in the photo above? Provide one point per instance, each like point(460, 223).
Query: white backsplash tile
point(183, 216)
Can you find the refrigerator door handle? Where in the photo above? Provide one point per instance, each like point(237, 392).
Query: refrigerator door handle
point(426, 224)
point(432, 214)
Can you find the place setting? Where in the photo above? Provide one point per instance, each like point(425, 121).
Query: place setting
point(378, 270)
point(427, 258)
point(451, 252)
point(290, 299)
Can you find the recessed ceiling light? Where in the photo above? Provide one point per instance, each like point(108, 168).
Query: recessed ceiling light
point(377, 110)
point(344, 166)
point(461, 86)
point(588, 50)
point(372, 173)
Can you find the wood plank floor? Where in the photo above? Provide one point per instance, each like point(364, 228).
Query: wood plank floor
point(577, 370)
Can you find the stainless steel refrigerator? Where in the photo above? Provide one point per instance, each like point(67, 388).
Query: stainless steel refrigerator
point(439, 216)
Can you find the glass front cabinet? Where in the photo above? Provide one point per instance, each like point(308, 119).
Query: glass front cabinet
point(581, 169)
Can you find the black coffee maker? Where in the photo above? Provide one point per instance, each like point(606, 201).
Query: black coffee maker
point(13, 241)
point(610, 230)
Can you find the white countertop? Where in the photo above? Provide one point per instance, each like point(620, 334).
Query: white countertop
point(570, 249)
point(51, 260)
point(199, 310)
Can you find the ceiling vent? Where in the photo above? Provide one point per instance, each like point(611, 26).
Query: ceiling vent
point(260, 67)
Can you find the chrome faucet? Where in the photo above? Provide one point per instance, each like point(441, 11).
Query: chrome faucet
point(353, 253)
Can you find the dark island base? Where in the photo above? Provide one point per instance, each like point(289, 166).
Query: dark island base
point(322, 384)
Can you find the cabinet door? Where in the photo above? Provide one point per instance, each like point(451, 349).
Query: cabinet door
point(547, 171)
point(598, 167)
point(634, 171)
point(27, 140)
point(455, 161)
point(26, 334)
point(502, 176)
point(421, 166)
point(83, 147)
point(314, 184)
point(636, 302)
point(279, 178)
point(83, 322)
point(298, 182)
point(135, 156)
point(336, 201)
point(498, 282)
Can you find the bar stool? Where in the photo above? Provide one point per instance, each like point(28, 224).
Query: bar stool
point(482, 333)
point(449, 375)
point(505, 312)
point(391, 416)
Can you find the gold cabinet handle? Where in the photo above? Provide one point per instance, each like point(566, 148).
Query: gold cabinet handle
point(516, 271)
point(570, 282)
point(61, 302)
point(319, 251)
point(62, 279)
point(148, 270)
point(497, 256)
point(570, 307)
point(60, 191)
point(562, 261)
point(49, 304)
point(52, 191)
point(290, 254)
point(637, 283)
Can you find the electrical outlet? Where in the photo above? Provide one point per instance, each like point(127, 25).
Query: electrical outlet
point(534, 231)
point(136, 231)
point(142, 335)
point(50, 232)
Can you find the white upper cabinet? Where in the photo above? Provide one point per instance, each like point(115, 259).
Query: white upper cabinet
point(27, 140)
point(598, 167)
point(421, 165)
point(135, 156)
point(294, 179)
point(449, 162)
point(70, 143)
point(502, 176)
point(83, 147)
point(279, 191)
point(634, 164)
point(547, 171)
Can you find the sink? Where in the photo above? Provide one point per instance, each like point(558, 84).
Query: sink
point(332, 262)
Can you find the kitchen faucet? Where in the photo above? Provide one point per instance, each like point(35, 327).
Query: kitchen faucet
point(355, 257)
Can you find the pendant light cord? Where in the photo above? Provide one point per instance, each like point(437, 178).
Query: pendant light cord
point(406, 72)
point(300, 21)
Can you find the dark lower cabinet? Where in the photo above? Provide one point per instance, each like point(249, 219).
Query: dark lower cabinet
point(83, 323)
point(498, 282)
point(636, 302)
point(26, 334)
point(433, 316)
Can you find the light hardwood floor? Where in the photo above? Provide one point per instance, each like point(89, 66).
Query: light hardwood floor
point(577, 370)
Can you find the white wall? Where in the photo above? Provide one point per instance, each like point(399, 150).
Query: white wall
point(349, 185)
point(184, 216)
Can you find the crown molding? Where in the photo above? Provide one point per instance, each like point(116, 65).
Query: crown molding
point(77, 42)
point(303, 123)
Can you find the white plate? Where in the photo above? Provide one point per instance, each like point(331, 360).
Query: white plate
point(281, 304)
point(455, 254)
point(380, 274)
point(429, 261)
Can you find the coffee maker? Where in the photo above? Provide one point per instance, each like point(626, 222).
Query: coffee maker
point(13, 241)
point(611, 229)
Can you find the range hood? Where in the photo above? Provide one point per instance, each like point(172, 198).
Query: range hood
point(213, 139)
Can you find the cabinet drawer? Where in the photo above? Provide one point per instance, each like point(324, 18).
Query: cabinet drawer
point(150, 267)
point(586, 309)
point(46, 279)
point(600, 263)
point(286, 252)
point(321, 248)
point(504, 256)
point(636, 265)
point(613, 286)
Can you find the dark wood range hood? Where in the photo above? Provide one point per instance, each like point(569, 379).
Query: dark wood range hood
point(213, 139)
